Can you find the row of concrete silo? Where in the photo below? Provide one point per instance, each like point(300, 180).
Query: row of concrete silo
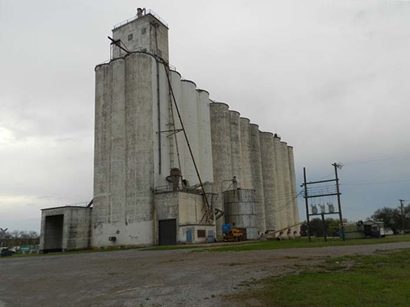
point(194, 105)
point(259, 161)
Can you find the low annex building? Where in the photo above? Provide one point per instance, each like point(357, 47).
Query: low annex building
point(171, 165)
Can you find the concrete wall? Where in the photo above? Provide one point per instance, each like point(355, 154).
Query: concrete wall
point(74, 230)
point(140, 34)
point(187, 209)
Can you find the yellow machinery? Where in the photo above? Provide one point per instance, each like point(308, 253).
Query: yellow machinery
point(235, 234)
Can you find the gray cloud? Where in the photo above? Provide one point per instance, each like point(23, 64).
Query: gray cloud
point(330, 77)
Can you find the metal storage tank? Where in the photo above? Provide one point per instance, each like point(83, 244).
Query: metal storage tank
point(189, 116)
point(204, 137)
point(239, 207)
point(281, 197)
point(221, 152)
point(293, 185)
point(235, 145)
point(268, 173)
point(257, 178)
point(246, 176)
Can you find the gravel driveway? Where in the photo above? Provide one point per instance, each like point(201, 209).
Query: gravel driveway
point(151, 278)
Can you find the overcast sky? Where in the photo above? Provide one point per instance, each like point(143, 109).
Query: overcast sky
point(331, 77)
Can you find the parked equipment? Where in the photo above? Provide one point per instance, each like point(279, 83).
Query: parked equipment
point(232, 233)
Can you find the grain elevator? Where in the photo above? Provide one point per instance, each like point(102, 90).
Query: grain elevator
point(170, 164)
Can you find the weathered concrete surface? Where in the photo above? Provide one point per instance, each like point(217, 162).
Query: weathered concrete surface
point(257, 176)
point(187, 210)
point(151, 278)
point(123, 176)
point(270, 180)
point(142, 34)
point(72, 232)
point(240, 210)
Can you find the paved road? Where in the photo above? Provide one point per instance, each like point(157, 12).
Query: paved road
point(151, 278)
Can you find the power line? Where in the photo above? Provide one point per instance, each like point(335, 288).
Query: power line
point(376, 182)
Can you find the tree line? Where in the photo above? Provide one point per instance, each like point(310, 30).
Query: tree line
point(392, 218)
point(18, 238)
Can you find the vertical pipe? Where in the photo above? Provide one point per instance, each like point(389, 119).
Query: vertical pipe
point(257, 177)
point(179, 156)
point(158, 114)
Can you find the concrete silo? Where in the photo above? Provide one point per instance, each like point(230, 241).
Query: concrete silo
point(189, 113)
point(269, 178)
point(257, 177)
point(124, 174)
point(280, 198)
point(287, 208)
point(204, 136)
point(293, 185)
point(221, 152)
point(234, 117)
point(246, 157)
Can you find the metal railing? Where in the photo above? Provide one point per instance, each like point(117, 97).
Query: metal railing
point(148, 12)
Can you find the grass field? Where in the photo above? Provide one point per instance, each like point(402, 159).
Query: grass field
point(377, 280)
point(303, 242)
point(273, 244)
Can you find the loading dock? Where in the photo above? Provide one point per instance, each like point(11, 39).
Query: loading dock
point(167, 232)
point(53, 237)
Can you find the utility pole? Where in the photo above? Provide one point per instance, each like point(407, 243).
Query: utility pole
point(402, 214)
point(323, 193)
point(306, 202)
point(342, 227)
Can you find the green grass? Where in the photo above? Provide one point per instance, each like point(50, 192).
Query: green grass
point(303, 242)
point(377, 280)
